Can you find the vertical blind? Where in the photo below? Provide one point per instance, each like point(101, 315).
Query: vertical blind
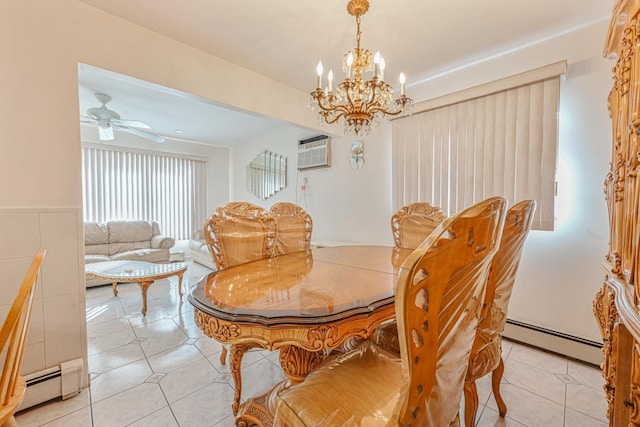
point(501, 144)
point(128, 185)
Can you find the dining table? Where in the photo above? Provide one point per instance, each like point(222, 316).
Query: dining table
point(306, 305)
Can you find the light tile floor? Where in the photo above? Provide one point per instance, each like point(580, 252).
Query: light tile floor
point(163, 371)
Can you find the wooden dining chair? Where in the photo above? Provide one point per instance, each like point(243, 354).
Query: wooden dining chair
point(486, 353)
point(294, 228)
point(413, 223)
point(239, 232)
point(439, 294)
point(13, 338)
point(410, 226)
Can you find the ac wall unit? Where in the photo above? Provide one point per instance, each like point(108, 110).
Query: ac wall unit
point(314, 152)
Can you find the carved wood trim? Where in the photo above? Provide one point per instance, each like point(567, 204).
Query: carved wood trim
point(309, 337)
point(616, 304)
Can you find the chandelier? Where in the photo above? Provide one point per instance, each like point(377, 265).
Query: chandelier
point(360, 102)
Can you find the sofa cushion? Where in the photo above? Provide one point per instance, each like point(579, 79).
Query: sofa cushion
point(162, 242)
point(88, 259)
point(116, 248)
point(130, 231)
point(96, 233)
point(198, 245)
point(147, 255)
point(102, 250)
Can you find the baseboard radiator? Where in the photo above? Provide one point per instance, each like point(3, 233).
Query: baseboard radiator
point(556, 342)
point(63, 381)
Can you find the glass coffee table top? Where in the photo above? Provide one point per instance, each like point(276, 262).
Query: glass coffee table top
point(140, 272)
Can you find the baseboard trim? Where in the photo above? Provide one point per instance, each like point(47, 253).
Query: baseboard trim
point(64, 381)
point(557, 342)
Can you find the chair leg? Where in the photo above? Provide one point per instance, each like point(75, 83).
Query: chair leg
point(470, 403)
point(223, 355)
point(496, 377)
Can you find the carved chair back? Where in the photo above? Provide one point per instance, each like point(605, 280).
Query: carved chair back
point(240, 232)
point(13, 338)
point(487, 346)
point(294, 228)
point(413, 223)
point(438, 301)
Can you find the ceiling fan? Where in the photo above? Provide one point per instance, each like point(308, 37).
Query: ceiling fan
point(107, 120)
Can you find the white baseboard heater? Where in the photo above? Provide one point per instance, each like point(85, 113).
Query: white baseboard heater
point(556, 342)
point(65, 381)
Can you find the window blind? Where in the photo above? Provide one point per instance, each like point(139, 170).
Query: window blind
point(502, 143)
point(127, 185)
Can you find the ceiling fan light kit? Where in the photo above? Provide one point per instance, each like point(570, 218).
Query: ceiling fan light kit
point(107, 120)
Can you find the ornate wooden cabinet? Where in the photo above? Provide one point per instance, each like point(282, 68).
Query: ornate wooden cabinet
point(616, 304)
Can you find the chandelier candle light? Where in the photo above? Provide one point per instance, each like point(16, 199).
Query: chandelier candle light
point(360, 102)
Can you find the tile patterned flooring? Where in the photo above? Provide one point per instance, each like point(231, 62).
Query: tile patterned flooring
point(162, 371)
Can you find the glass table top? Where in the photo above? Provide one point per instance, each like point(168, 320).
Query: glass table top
point(304, 287)
point(132, 269)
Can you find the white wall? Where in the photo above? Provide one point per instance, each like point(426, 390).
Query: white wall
point(346, 205)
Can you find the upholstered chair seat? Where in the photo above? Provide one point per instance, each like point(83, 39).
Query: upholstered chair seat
point(340, 403)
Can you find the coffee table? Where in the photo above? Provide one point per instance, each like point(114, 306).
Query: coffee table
point(142, 273)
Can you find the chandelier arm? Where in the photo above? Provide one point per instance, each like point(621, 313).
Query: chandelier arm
point(330, 122)
point(348, 95)
point(372, 98)
point(331, 106)
point(386, 112)
point(341, 108)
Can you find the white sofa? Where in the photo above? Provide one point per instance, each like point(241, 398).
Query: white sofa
point(124, 240)
point(200, 253)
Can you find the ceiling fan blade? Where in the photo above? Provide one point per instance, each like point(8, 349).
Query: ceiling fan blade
point(132, 123)
point(87, 119)
point(105, 133)
point(143, 134)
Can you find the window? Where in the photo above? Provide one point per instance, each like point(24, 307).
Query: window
point(498, 139)
point(128, 184)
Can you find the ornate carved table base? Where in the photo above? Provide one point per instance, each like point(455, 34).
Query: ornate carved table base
point(296, 364)
point(260, 410)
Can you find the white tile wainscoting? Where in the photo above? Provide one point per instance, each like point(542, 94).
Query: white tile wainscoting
point(58, 328)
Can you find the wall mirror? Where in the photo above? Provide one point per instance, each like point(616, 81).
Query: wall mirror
point(267, 174)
